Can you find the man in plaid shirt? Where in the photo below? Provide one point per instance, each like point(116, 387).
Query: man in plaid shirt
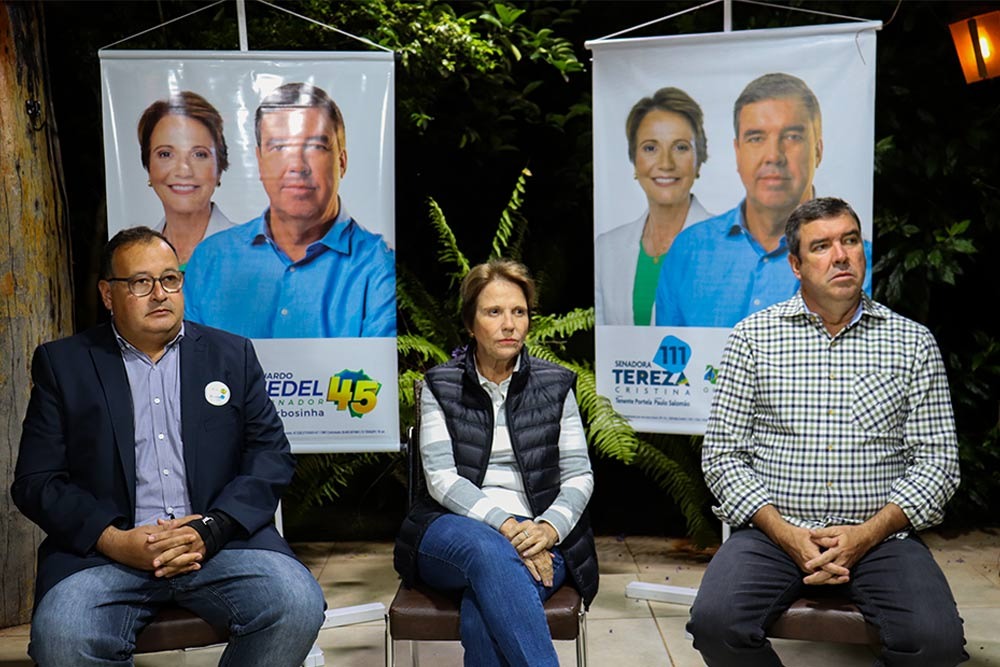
point(831, 441)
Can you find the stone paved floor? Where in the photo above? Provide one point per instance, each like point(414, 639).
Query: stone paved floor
point(621, 631)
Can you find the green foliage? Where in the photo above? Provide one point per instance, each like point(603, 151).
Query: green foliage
point(979, 450)
point(320, 478)
point(676, 470)
point(449, 252)
point(674, 463)
point(937, 214)
point(495, 56)
point(510, 219)
point(937, 257)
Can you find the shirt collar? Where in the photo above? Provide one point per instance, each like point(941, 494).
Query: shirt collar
point(125, 345)
point(738, 225)
point(868, 308)
point(336, 238)
point(486, 383)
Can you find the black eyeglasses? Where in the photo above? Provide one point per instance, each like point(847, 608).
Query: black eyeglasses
point(142, 284)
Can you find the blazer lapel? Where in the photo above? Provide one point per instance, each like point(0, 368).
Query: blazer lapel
point(195, 370)
point(110, 368)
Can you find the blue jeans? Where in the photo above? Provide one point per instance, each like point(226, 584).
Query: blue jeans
point(897, 586)
point(270, 602)
point(502, 620)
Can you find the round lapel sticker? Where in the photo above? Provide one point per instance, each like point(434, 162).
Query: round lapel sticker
point(217, 393)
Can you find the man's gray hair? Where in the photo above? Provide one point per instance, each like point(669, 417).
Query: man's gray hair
point(777, 86)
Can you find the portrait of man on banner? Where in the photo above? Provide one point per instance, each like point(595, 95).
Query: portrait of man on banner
point(304, 268)
point(735, 264)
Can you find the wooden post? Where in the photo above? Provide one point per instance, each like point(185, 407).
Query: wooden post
point(35, 278)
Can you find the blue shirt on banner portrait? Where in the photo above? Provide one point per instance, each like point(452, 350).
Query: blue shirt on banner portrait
point(345, 286)
point(717, 273)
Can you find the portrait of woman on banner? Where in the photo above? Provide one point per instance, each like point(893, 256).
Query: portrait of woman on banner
point(184, 151)
point(666, 146)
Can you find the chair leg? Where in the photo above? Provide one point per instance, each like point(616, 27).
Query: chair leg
point(415, 654)
point(581, 639)
point(390, 658)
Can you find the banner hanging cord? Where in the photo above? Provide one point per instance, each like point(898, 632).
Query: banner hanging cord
point(714, 2)
point(165, 23)
point(857, 36)
point(800, 9)
point(662, 18)
point(263, 2)
point(328, 27)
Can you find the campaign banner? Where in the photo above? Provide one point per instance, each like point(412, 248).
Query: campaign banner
point(702, 146)
point(241, 160)
point(327, 391)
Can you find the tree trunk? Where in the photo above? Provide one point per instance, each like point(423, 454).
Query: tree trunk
point(35, 283)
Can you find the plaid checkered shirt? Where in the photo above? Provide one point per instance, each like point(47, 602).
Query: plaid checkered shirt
point(829, 429)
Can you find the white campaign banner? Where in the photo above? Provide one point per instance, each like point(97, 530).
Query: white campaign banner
point(661, 373)
point(333, 393)
point(329, 391)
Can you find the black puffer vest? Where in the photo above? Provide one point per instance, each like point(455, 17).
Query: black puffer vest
point(534, 409)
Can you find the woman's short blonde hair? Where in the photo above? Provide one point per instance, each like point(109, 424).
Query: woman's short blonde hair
point(676, 101)
point(482, 274)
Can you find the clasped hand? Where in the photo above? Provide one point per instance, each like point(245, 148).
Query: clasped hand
point(533, 542)
point(827, 555)
point(169, 548)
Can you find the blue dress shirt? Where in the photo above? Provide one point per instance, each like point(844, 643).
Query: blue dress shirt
point(716, 273)
point(160, 473)
point(345, 286)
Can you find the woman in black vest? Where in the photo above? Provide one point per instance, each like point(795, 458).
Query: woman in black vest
point(503, 515)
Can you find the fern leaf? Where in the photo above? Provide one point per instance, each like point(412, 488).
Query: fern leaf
point(434, 318)
point(548, 327)
point(607, 431)
point(691, 496)
point(321, 477)
point(407, 378)
point(449, 252)
point(428, 351)
point(510, 218)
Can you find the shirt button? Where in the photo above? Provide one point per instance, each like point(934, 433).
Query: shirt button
point(829, 485)
point(160, 436)
point(156, 400)
point(166, 472)
point(170, 510)
point(291, 269)
point(765, 260)
point(756, 302)
point(829, 448)
point(829, 412)
point(284, 311)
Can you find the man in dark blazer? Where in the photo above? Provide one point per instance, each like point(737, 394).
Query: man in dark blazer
point(154, 460)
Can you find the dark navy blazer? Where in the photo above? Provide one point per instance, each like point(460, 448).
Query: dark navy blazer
point(75, 471)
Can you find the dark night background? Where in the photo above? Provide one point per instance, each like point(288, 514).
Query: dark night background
point(936, 165)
